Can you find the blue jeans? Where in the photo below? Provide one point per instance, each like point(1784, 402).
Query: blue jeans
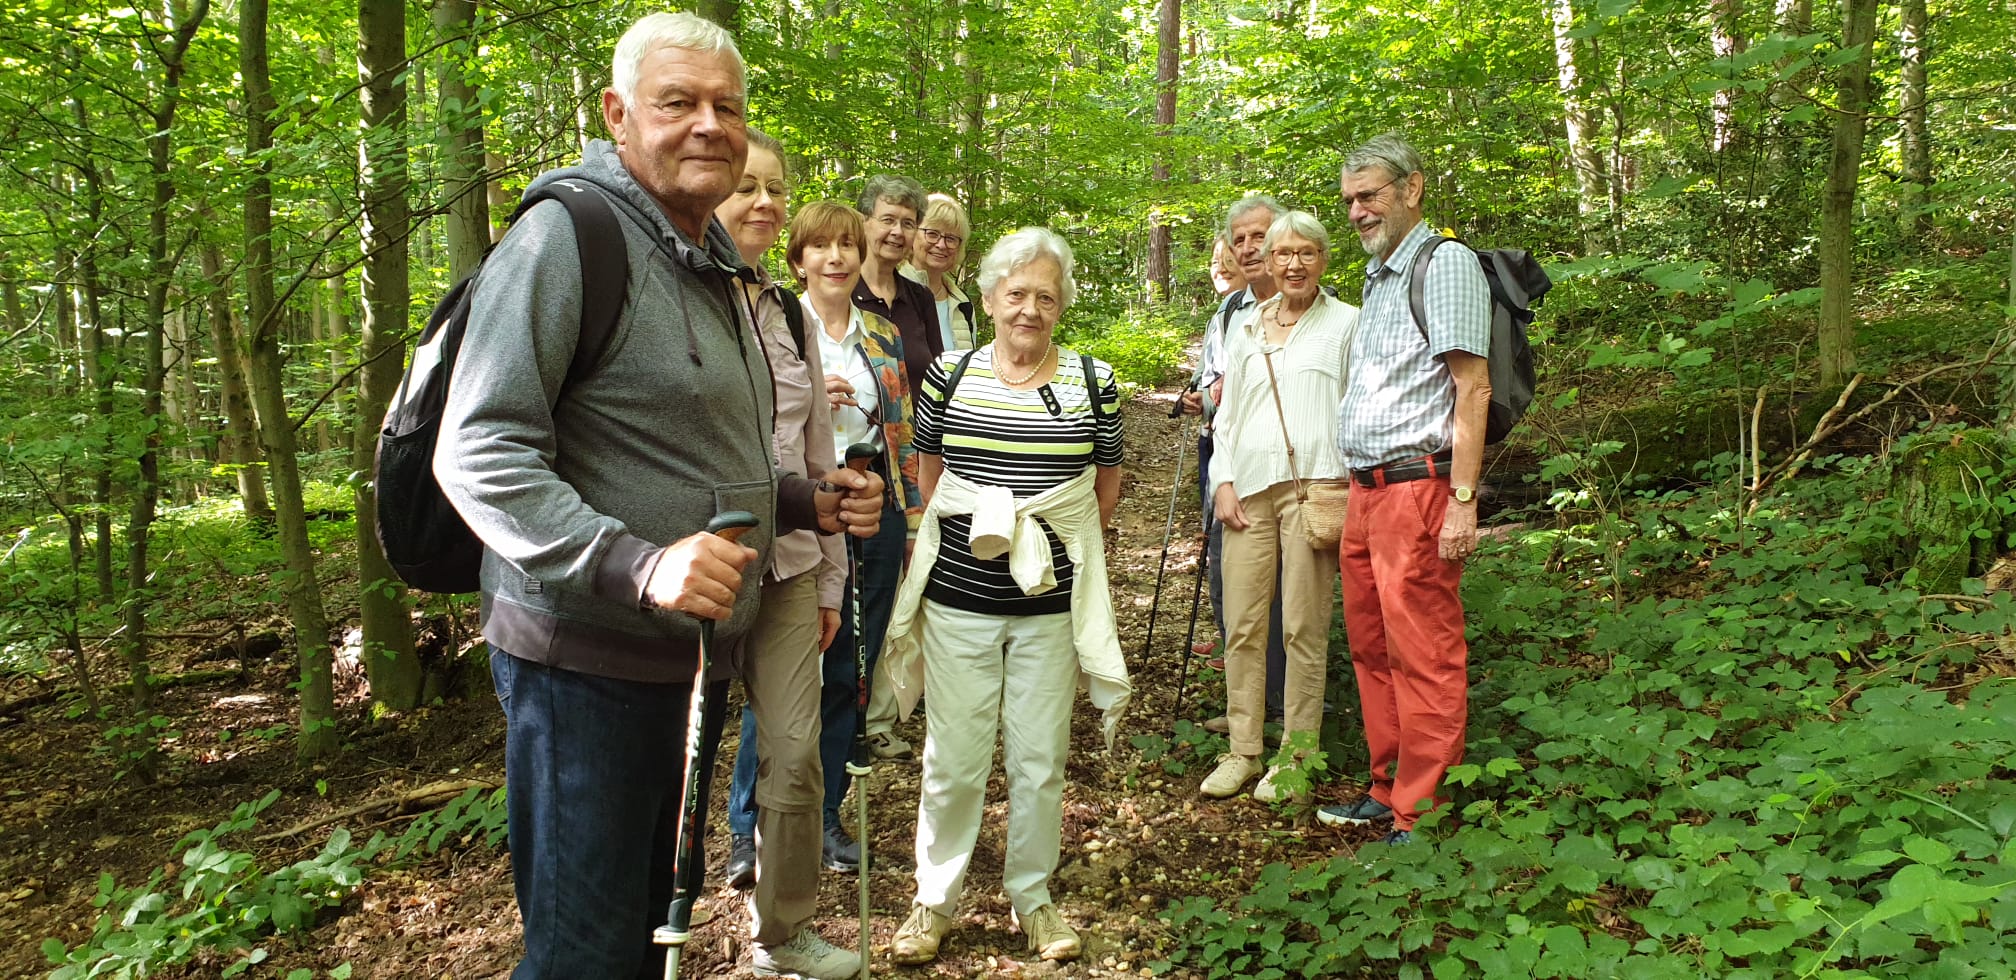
point(883, 556)
point(593, 770)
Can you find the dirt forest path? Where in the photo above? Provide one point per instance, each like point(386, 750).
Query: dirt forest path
point(1136, 835)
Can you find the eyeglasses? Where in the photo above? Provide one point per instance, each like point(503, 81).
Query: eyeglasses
point(891, 221)
point(934, 237)
point(1306, 256)
point(1367, 197)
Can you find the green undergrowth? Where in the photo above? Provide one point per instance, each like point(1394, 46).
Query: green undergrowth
point(1699, 746)
point(220, 904)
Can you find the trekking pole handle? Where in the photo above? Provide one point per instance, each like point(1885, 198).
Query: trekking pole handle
point(859, 455)
point(1176, 410)
point(731, 524)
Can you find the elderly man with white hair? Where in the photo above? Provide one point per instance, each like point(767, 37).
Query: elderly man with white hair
point(590, 478)
point(1005, 612)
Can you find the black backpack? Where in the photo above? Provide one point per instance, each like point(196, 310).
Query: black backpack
point(1517, 284)
point(426, 541)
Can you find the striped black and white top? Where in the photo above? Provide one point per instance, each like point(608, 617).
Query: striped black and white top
point(1022, 440)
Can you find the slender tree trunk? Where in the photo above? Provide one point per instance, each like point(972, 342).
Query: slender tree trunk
point(68, 337)
point(389, 659)
point(160, 272)
point(241, 429)
point(1726, 36)
point(1581, 126)
point(10, 297)
point(1913, 138)
point(501, 201)
point(1168, 48)
point(1837, 207)
point(317, 735)
point(723, 12)
point(100, 365)
point(1794, 19)
point(459, 134)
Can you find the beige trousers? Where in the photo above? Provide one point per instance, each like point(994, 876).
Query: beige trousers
point(780, 673)
point(1308, 586)
point(989, 677)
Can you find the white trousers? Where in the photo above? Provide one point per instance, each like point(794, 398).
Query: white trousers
point(974, 664)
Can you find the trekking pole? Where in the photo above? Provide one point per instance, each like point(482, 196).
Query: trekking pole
point(1196, 600)
point(859, 455)
point(1168, 528)
point(686, 874)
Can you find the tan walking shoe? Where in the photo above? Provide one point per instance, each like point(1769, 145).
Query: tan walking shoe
point(1050, 937)
point(917, 941)
point(1221, 725)
point(1233, 773)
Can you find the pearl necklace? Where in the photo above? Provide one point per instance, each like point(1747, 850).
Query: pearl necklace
point(1025, 379)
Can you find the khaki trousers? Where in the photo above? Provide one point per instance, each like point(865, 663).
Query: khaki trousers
point(1308, 577)
point(780, 672)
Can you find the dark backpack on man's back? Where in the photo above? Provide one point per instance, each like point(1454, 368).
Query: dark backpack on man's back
point(426, 541)
point(1517, 284)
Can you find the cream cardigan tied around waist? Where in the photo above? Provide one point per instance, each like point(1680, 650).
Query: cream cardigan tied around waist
point(1003, 525)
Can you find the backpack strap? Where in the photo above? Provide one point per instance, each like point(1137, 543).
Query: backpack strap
point(1091, 382)
point(605, 266)
point(1417, 283)
point(958, 371)
point(794, 318)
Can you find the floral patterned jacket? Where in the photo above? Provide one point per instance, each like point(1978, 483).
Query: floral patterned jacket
point(884, 347)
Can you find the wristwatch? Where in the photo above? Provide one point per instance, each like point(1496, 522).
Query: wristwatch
point(1463, 495)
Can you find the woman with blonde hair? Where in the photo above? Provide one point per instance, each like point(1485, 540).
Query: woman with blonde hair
point(936, 255)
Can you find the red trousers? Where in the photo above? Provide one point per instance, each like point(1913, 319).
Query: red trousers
point(1404, 617)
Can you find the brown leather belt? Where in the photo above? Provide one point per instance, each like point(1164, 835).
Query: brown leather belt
point(1404, 471)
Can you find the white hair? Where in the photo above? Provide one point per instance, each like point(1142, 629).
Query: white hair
point(1300, 223)
point(1021, 247)
point(661, 30)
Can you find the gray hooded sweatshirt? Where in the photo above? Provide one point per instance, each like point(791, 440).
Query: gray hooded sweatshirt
point(574, 488)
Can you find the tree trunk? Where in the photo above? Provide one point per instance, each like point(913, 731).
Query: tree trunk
point(459, 134)
point(241, 430)
point(1726, 37)
point(1581, 125)
point(160, 271)
point(100, 364)
point(1168, 48)
point(388, 655)
point(1837, 207)
point(584, 97)
point(722, 12)
point(317, 735)
point(1914, 140)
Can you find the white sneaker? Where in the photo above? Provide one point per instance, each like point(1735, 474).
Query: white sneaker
point(1233, 772)
point(805, 955)
point(1266, 791)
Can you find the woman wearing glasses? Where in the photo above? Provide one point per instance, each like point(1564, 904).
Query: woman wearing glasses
point(935, 258)
point(891, 208)
point(870, 399)
point(1277, 428)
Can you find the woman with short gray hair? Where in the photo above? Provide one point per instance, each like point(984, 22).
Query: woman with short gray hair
point(1276, 429)
point(1006, 601)
point(891, 207)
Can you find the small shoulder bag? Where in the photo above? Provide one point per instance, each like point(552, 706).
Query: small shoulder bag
point(1322, 501)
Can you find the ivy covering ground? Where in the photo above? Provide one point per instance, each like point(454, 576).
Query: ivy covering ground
point(1703, 744)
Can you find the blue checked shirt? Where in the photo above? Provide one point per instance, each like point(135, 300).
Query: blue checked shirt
point(1401, 402)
